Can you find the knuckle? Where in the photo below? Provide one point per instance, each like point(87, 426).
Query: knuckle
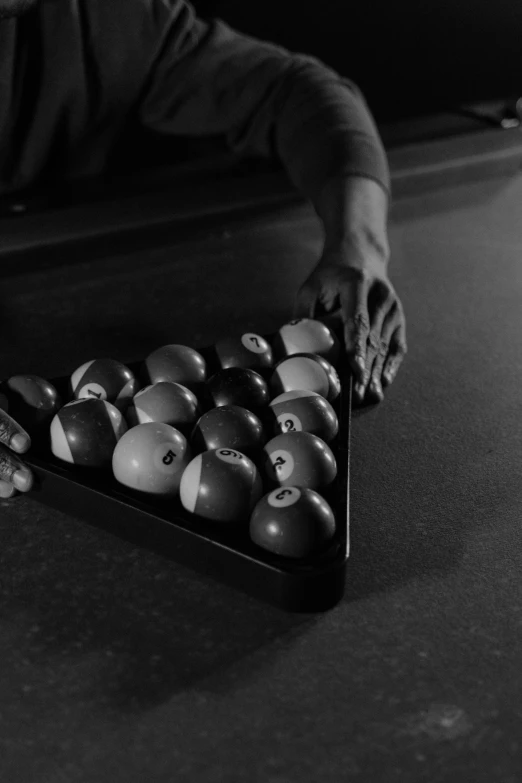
point(374, 342)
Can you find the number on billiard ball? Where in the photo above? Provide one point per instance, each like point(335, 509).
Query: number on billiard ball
point(151, 458)
point(299, 459)
point(292, 522)
point(304, 411)
point(250, 350)
point(85, 432)
point(221, 485)
point(104, 379)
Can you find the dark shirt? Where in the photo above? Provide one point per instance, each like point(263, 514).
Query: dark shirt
point(75, 73)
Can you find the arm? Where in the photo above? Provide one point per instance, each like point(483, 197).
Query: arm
point(268, 102)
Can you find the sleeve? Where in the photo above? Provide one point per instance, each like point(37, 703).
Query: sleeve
point(209, 80)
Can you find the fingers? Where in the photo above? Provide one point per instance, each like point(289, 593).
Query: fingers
point(354, 307)
point(398, 350)
point(305, 302)
point(12, 435)
point(13, 471)
point(7, 490)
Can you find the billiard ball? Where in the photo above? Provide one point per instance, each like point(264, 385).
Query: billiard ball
point(306, 335)
point(306, 371)
point(104, 379)
point(85, 432)
point(151, 458)
point(229, 426)
point(177, 364)
point(32, 401)
point(250, 350)
point(238, 386)
point(304, 411)
point(299, 459)
point(292, 522)
point(221, 485)
point(170, 403)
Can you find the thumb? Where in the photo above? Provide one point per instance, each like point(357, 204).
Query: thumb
point(305, 301)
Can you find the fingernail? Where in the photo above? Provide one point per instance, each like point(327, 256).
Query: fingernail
point(359, 360)
point(22, 480)
point(20, 442)
point(376, 388)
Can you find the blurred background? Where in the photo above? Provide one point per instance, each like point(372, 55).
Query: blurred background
point(410, 57)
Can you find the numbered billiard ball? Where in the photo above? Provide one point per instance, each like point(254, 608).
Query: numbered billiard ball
point(306, 371)
point(85, 432)
point(306, 335)
point(292, 522)
point(229, 426)
point(32, 401)
point(170, 403)
point(238, 386)
point(304, 411)
point(177, 364)
point(104, 379)
point(221, 485)
point(299, 459)
point(250, 350)
point(151, 458)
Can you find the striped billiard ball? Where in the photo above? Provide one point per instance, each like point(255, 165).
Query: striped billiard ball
point(304, 411)
point(85, 432)
point(306, 371)
point(307, 335)
point(299, 459)
point(104, 379)
point(221, 485)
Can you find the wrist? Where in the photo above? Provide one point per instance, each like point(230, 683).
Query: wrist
point(354, 213)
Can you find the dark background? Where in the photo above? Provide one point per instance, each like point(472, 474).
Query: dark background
point(410, 57)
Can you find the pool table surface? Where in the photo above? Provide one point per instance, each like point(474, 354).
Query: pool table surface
point(118, 664)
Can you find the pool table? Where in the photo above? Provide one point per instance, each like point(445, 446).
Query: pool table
point(119, 664)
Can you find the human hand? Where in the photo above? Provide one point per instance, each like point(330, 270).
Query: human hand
point(14, 440)
point(354, 281)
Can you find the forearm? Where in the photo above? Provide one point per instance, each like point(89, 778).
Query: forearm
point(354, 212)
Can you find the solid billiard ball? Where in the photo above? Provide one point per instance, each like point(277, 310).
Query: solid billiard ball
point(292, 522)
point(229, 426)
point(304, 411)
point(32, 401)
point(250, 350)
point(299, 459)
point(306, 335)
point(151, 458)
point(306, 371)
point(177, 364)
point(221, 485)
point(238, 386)
point(85, 432)
point(104, 379)
point(170, 403)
